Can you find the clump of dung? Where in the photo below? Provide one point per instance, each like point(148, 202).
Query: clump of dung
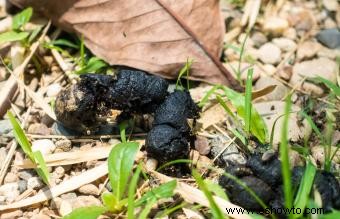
point(264, 178)
point(170, 135)
point(83, 106)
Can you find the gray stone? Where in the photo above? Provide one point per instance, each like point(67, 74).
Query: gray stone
point(63, 145)
point(45, 146)
point(284, 44)
point(329, 38)
point(259, 39)
point(10, 191)
point(89, 189)
point(5, 126)
point(39, 129)
point(269, 53)
point(34, 183)
point(230, 155)
point(26, 174)
point(322, 67)
point(22, 185)
point(59, 129)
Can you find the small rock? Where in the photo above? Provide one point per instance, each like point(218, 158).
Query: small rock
point(275, 25)
point(59, 172)
point(270, 69)
point(34, 183)
point(277, 94)
point(290, 33)
point(230, 155)
point(10, 177)
point(84, 201)
point(271, 110)
point(202, 145)
point(284, 44)
point(53, 90)
point(65, 207)
point(329, 38)
point(322, 67)
point(5, 127)
point(10, 191)
point(63, 145)
point(259, 39)
point(11, 215)
point(39, 129)
point(308, 49)
point(45, 146)
point(303, 20)
point(269, 53)
point(331, 5)
point(22, 185)
point(328, 53)
point(150, 165)
point(285, 72)
point(89, 189)
point(26, 174)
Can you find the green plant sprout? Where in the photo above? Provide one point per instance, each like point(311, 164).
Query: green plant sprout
point(36, 156)
point(184, 71)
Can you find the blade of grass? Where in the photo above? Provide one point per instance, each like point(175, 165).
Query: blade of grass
point(131, 192)
point(305, 187)
point(20, 19)
point(42, 168)
point(240, 59)
point(284, 156)
point(91, 212)
point(247, 100)
point(184, 70)
point(216, 211)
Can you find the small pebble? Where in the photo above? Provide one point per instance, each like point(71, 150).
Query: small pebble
point(277, 94)
point(331, 5)
point(10, 191)
point(202, 145)
point(308, 49)
point(45, 146)
point(10, 177)
point(150, 165)
point(275, 25)
point(59, 172)
point(284, 44)
point(65, 207)
point(259, 39)
point(34, 183)
point(39, 129)
point(22, 185)
point(25, 174)
point(5, 127)
point(41, 216)
point(63, 145)
point(53, 90)
point(285, 72)
point(329, 37)
point(89, 189)
point(270, 53)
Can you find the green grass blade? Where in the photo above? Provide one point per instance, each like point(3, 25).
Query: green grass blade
point(20, 19)
point(147, 208)
point(42, 167)
point(184, 70)
point(91, 212)
point(284, 156)
point(205, 99)
point(64, 42)
point(174, 162)
point(216, 211)
point(92, 66)
point(313, 125)
point(305, 187)
point(20, 136)
point(121, 159)
point(110, 201)
point(247, 100)
point(165, 190)
point(131, 192)
point(332, 86)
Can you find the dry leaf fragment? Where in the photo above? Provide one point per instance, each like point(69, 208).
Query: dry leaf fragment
point(154, 35)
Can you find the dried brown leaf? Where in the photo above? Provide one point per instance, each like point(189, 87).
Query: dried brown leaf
point(154, 35)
